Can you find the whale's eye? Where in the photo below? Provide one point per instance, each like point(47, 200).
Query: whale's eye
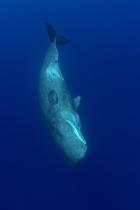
point(52, 97)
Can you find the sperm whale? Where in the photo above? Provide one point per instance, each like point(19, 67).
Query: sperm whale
point(58, 106)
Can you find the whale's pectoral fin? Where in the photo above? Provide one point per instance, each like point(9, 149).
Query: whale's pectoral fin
point(54, 36)
point(76, 101)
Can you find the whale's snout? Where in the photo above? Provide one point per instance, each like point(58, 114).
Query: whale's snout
point(77, 154)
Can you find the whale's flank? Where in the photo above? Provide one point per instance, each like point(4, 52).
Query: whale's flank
point(60, 40)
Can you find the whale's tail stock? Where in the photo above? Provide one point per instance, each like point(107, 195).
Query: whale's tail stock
point(60, 40)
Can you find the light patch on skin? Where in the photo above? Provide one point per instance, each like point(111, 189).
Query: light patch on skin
point(67, 115)
point(76, 132)
point(52, 72)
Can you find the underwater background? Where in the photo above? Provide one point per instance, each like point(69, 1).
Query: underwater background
point(102, 65)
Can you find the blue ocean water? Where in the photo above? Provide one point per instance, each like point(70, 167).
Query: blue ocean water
point(102, 64)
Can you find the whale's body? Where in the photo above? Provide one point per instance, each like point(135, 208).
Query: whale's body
point(59, 109)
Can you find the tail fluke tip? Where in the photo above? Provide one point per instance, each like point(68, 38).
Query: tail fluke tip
point(60, 40)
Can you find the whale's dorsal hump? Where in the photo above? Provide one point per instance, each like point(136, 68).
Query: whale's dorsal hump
point(76, 101)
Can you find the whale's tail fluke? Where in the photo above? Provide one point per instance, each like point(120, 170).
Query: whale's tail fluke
point(54, 36)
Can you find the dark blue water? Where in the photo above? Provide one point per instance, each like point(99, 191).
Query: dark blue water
point(102, 64)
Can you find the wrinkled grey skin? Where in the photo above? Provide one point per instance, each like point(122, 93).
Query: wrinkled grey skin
point(60, 109)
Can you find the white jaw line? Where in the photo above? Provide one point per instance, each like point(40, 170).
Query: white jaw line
point(76, 132)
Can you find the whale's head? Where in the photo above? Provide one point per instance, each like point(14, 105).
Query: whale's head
point(70, 138)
